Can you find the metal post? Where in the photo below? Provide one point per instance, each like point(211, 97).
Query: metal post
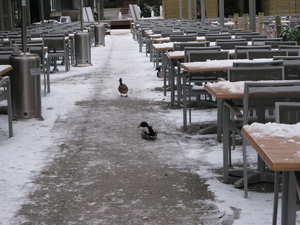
point(98, 10)
point(252, 14)
point(195, 9)
point(101, 10)
point(10, 16)
point(81, 15)
point(221, 12)
point(24, 34)
point(180, 9)
point(28, 13)
point(99, 30)
point(203, 12)
point(42, 10)
point(190, 10)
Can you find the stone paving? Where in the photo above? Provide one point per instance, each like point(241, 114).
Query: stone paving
point(104, 173)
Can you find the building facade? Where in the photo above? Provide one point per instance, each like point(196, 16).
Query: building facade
point(10, 10)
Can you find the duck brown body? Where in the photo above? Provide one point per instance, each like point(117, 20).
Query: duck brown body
point(148, 132)
point(123, 89)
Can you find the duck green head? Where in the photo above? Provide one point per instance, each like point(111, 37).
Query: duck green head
point(143, 124)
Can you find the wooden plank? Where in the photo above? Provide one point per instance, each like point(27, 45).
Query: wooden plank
point(5, 68)
point(279, 153)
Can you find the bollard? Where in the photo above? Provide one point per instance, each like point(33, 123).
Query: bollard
point(25, 85)
point(82, 49)
point(99, 35)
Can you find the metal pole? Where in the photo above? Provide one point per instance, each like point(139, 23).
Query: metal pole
point(203, 12)
point(81, 14)
point(190, 10)
point(98, 11)
point(102, 9)
point(42, 10)
point(195, 9)
point(24, 34)
point(28, 13)
point(221, 12)
point(180, 9)
point(252, 14)
point(1, 18)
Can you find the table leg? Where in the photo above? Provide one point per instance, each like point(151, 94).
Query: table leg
point(140, 39)
point(179, 89)
point(9, 108)
point(275, 204)
point(226, 148)
point(147, 45)
point(287, 192)
point(289, 198)
point(150, 49)
point(184, 104)
point(164, 67)
point(172, 80)
point(219, 118)
point(226, 137)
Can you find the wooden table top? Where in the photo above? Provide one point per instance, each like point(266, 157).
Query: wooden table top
point(180, 54)
point(235, 90)
point(277, 144)
point(163, 46)
point(154, 35)
point(5, 68)
point(213, 65)
point(167, 39)
point(217, 65)
point(226, 89)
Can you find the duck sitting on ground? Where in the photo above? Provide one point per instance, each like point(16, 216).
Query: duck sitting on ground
point(148, 132)
point(123, 89)
point(159, 74)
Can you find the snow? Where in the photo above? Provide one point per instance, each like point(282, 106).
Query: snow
point(25, 154)
point(270, 129)
point(234, 87)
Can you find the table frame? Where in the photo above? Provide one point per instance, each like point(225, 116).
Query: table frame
point(264, 147)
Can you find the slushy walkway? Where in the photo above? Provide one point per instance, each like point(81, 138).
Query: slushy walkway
point(102, 172)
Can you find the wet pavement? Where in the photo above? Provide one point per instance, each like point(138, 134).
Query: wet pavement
point(104, 173)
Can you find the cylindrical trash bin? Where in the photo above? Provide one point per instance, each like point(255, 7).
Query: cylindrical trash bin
point(99, 35)
point(26, 86)
point(82, 49)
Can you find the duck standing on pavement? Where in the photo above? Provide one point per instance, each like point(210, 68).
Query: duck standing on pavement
point(123, 89)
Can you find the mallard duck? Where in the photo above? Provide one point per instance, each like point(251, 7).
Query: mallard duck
point(148, 132)
point(123, 89)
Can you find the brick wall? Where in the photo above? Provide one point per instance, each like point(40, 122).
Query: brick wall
point(281, 7)
point(171, 9)
point(211, 8)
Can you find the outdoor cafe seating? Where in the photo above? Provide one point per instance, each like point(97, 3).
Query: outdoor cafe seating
point(248, 48)
point(286, 113)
